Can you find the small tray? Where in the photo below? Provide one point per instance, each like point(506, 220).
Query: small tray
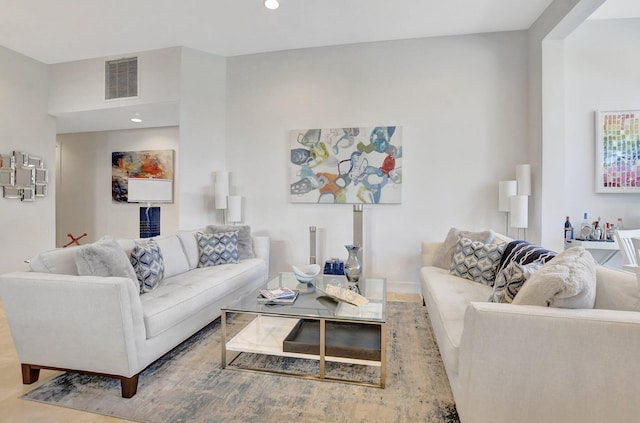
point(343, 339)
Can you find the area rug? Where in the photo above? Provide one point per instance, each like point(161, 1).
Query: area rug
point(188, 385)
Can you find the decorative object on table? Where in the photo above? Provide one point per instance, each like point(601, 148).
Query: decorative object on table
point(617, 149)
point(22, 176)
point(149, 190)
point(334, 266)
point(312, 245)
point(281, 295)
point(340, 293)
point(125, 165)
point(353, 267)
point(346, 165)
point(358, 214)
point(306, 274)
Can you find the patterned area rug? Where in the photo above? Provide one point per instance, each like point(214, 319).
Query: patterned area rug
point(188, 385)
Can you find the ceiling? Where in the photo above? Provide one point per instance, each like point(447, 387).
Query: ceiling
point(69, 30)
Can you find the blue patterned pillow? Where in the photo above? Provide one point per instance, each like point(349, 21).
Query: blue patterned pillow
point(476, 261)
point(147, 261)
point(218, 248)
point(524, 253)
point(511, 279)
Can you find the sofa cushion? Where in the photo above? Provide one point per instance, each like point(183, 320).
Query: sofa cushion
point(181, 296)
point(617, 289)
point(567, 281)
point(443, 257)
point(175, 259)
point(476, 261)
point(245, 245)
point(522, 252)
point(510, 280)
point(148, 262)
point(60, 260)
point(189, 243)
point(104, 258)
point(218, 248)
point(447, 298)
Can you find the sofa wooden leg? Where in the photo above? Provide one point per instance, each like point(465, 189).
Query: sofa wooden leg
point(129, 386)
point(29, 374)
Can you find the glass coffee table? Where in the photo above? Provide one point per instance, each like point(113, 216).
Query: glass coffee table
point(315, 327)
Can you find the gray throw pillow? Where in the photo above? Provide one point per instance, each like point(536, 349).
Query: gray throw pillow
point(105, 257)
point(444, 255)
point(245, 244)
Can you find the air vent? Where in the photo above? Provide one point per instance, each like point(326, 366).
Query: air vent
point(121, 78)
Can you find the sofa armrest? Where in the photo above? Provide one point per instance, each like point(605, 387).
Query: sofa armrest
point(529, 363)
point(261, 248)
point(429, 249)
point(85, 323)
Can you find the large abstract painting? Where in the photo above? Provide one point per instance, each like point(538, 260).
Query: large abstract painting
point(138, 164)
point(618, 151)
point(346, 165)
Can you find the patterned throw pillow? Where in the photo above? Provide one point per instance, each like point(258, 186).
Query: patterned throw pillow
point(510, 280)
point(147, 261)
point(524, 253)
point(476, 261)
point(245, 242)
point(218, 248)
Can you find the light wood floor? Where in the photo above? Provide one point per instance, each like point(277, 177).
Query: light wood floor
point(13, 409)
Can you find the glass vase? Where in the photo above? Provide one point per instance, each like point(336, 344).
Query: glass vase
point(353, 268)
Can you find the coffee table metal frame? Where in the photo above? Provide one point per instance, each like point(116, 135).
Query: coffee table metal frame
point(266, 332)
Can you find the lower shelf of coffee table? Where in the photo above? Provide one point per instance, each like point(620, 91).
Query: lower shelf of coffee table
point(266, 335)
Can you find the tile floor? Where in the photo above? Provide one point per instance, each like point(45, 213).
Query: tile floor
point(13, 409)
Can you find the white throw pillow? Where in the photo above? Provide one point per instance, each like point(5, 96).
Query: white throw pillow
point(566, 281)
point(175, 260)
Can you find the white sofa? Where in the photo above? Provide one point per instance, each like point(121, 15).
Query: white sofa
point(516, 363)
point(103, 325)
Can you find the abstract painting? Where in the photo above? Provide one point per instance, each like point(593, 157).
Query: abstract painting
point(618, 152)
point(138, 164)
point(346, 165)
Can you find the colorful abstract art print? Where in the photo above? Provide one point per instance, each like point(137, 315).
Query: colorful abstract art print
point(346, 165)
point(138, 164)
point(618, 152)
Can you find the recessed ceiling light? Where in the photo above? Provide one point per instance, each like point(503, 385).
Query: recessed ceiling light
point(136, 118)
point(271, 4)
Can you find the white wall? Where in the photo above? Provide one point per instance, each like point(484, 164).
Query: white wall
point(79, 86)
point(25, 228)
point(84, 201)
point(202, 134)
point(601, 70)
point(462, 105)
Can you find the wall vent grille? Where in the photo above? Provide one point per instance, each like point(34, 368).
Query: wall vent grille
point(121, 78)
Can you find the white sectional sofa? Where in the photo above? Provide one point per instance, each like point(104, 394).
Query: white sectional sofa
point(103, 325)
point(528, 363)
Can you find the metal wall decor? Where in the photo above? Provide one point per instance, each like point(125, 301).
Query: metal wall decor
point(22, 176)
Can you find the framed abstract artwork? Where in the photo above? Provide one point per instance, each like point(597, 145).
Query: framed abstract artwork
point(346, 165)
point(155, 164)
point(617, 151)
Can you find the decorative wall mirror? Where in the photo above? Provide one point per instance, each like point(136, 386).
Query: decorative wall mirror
point(23, 176)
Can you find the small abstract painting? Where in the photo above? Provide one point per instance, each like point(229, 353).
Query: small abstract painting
point(346, 165)
point(618, 152)
point(138, 164)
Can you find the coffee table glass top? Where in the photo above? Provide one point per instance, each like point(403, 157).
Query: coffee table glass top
point(313, 302)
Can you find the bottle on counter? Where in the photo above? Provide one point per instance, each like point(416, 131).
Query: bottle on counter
point(597, 230)
point(568, 229)
point(585, 228)
point(619, 227)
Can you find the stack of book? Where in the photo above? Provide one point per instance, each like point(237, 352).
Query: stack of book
point(278, 296)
